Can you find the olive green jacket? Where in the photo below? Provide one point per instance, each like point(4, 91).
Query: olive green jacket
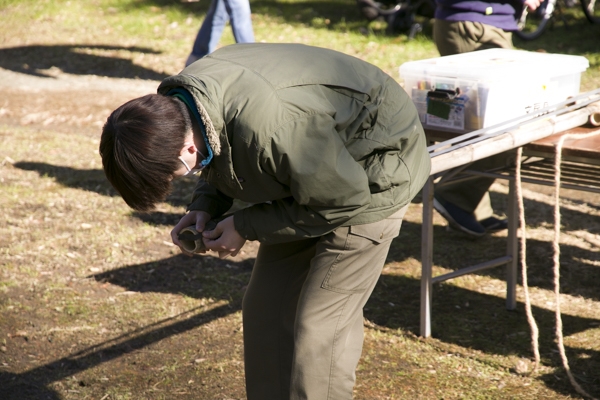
point(315, 139)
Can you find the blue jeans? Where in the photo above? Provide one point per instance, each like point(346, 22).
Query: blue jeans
point(219, 12)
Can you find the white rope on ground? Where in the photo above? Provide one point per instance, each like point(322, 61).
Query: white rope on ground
point(556, 259)
point(556, 256)
point(535, 333)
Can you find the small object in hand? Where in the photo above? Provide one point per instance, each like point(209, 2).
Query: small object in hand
point(191, 239)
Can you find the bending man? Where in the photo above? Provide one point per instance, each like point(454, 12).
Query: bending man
point(330, 152)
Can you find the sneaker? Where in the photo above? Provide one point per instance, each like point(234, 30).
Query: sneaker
point(458, 218)
point(493, 224)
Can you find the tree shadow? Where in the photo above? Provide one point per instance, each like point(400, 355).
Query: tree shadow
point(25, 387)
point(79, 59)
point(538, 213)
point(465, 317)
point(342, 15)
point(105, 60)
point(90, 180)
point(199, 277)
point(460, 316)
point(299, 12)
point(94, 180)
point(33, 384)
point(580, 361)
point(453, 251)
point(579, 277)
point(481, 322)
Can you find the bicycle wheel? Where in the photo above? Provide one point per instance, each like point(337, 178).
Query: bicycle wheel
point(532, 24)
point(591, 10)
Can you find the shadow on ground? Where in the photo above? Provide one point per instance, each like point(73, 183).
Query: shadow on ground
point(303, 12)
point(43, 60)
point(94, 180)
point(481, 322)
point(462, 317)
point(580, 277)
point(198, 277)
point(453, 251)
point(32, 384)
point(115, 61)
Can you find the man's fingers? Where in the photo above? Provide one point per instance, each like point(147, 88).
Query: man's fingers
point(223, 254)
point(200, 226)
point(197, 218)
point(212, 235)
point(175, 238)
point(223, 239)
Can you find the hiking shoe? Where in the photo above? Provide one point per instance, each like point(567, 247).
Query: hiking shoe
point(458, 218)
point(493, 224)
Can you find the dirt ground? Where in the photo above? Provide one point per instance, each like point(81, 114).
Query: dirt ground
point(98, 362)
point(77, 103)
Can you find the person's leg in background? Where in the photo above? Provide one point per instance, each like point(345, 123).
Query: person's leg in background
point(217, 16)
point(241, 20)
point(303, 321)
point(467, 205)
point(210, 32)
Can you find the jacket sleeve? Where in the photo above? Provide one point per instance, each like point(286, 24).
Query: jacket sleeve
point(328, 186)
point(208, 198)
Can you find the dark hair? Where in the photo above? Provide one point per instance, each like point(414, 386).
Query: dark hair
point(140, 145)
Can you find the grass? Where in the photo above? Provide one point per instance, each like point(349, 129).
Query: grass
point(96, 304)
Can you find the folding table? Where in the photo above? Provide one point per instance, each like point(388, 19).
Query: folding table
point(580, 170)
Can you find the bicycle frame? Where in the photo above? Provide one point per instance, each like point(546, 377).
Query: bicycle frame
point(532, 24)
point(539, 17)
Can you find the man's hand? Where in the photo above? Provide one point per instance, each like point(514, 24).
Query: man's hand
point(532, 5)
point(224, 239)
point(198, 218)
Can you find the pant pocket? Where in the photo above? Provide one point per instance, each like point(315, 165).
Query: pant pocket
point(361, 259)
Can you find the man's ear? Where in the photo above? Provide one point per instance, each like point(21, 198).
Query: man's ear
point(189, 147)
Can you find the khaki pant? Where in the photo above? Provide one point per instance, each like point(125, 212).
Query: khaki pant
point(455, 37)
point(302, 312)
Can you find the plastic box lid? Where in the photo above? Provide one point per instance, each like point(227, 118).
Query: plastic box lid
point(497, 64)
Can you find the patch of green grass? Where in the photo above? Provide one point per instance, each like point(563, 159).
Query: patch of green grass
point(170, 27)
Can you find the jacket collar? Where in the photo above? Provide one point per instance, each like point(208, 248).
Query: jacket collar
point(214, 125)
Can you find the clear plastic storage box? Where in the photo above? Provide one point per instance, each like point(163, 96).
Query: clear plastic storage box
point(469, 91)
